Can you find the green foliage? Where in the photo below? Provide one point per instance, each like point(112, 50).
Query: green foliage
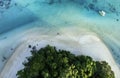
point(51, 63)
point(103, 70)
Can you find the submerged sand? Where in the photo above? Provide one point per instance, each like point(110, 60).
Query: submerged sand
point(78, 42)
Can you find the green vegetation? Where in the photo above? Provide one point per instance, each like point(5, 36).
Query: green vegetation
point(51, 63)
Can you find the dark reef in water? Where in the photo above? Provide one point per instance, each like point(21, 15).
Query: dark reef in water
point(4, 59)
point(94, 5)
point(90, 5)
point(5, 4)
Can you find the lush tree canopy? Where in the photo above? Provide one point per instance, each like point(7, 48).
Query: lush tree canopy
point(51, 63)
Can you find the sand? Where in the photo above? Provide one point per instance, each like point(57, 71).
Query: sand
point(84, 42)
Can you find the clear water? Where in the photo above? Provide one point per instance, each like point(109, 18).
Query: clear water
point(23, 14)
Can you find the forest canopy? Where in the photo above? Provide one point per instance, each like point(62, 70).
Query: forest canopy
point(48, 62)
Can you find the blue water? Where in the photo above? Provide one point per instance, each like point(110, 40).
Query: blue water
point(61, 13)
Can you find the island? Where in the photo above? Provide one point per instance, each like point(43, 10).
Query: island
point(48, 62)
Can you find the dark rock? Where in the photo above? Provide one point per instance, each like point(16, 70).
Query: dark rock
point(5, 3)
point(4, 58)
point(29, 46)
point(34, 48)
point(58, 33)
point(11, 48)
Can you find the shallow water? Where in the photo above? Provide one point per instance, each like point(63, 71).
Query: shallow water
point(23, 15)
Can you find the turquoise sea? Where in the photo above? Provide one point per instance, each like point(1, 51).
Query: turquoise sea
point(17, 16)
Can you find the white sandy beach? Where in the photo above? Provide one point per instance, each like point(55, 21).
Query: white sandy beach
point(82, 42)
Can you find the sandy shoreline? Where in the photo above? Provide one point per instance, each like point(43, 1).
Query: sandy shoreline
point(87, 44)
